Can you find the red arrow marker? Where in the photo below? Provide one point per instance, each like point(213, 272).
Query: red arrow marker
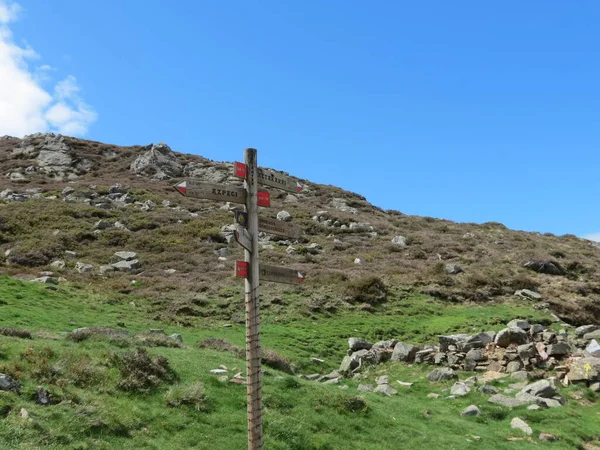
point(241, 269)
point(264, 198)
point(240, 170)
point(299, 187)
point(300, 277)
point(181, 187)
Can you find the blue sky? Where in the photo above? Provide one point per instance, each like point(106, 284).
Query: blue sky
point(470, 111)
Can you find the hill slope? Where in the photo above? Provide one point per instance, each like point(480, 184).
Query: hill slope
point(63, 194)
point(132, 337)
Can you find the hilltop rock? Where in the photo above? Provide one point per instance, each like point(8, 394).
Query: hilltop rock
point(157, 162)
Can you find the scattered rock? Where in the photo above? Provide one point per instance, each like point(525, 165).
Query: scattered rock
point(126, 266)
point(404, 352)
point(471, 411)
point(547, 267)
point(511, 335)
point(433, 395)
point(385, 389)
point(507, 401)
point(83, 267)
point(541, 388)
point(585, 369)
point(365, 388)
point(547, 437)
point(460, 389)
point(399, 241)
point(519, 424)
point(355, 344)
point(585, 329)
point(46, 280)
point(522, 324)
point(383, 380)
point(124, 256)
point(527, 293)
point(42, 396)
point(453, 269)
point(593, 348)
point(284, 216)
point(8, 384)
point(441, 374)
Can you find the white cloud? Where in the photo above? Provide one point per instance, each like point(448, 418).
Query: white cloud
point(9, 11)
point(25, 105)
point(593, 237)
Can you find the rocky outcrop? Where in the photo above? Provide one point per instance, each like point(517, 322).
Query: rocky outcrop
point(157, 162)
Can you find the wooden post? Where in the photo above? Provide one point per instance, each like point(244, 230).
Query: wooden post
point(253, 374)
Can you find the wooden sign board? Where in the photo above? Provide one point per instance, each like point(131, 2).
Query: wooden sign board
point(243, 237)
point(280, 274)
point(271, 226)
point(279, 228)
point(219, 192)
point(269, 178)
point(270, 273)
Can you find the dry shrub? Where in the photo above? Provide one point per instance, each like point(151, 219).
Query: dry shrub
point(40, 363)
point(192, 395)
point(142, 373)
point(80, 371)
point(276, 361)
point(157, 340)
point(366, 290)
point(13, 332)
point(344, 404)
point(221, 345)
point(81, 334)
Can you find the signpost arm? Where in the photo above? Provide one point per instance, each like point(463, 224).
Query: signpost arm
point(255, 438)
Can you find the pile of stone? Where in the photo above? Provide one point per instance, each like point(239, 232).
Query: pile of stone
point(520, 347)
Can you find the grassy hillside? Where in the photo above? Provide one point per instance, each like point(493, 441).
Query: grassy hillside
point(92, 407)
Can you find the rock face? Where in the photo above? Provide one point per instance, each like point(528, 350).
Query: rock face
point(158, 162)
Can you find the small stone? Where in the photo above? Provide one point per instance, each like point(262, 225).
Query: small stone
point(593, 348)
point(522, 324)
point(24, 414)
point(519, 424)
point(547, 437)
point(365, 388)
point(355, 344)
point(176, 337)
point(444, 373)
point(284, 216)
point(534, 407)
point(385, 389)
point(487, 389)
point(218, 371)
point(433, 395)
point(471, 410)
point(460, 389)
point(383, 380)
point(82, 267)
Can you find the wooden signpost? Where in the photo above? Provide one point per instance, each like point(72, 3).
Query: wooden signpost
point(247, 226)
point(269, 178)
point(271, 226)
point(220, 192)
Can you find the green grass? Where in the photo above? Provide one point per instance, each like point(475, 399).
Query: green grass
point(92, 412)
